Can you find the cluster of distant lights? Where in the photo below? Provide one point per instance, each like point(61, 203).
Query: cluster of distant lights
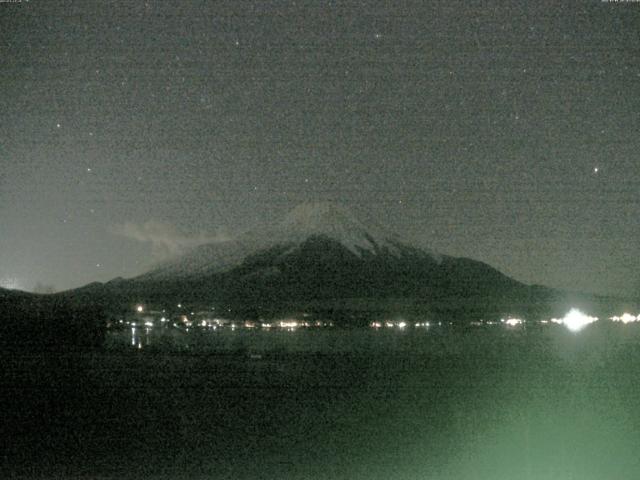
point(289, 324)
point(626, 318)
point(574, 320)
point(214, 324)
point(185, 322)
point(400, 324)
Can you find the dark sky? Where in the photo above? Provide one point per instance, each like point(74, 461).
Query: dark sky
point(131, 130)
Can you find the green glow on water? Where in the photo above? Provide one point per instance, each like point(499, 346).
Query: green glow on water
point(486, 404)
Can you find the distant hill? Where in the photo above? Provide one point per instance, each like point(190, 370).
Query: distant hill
point(49, 322)
point(6, 294)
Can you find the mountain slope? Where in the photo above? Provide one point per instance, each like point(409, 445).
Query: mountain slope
point(321, 268)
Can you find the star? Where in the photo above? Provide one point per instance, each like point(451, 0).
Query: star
point(58, 125)
point(595, 170)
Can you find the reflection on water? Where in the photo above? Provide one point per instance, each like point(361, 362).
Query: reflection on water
point(389, 336)
point(497, 402)
point(141, 337)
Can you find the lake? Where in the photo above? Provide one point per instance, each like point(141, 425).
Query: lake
point(486, 402)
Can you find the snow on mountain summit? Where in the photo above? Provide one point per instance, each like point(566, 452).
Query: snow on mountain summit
point(306, 220)
point(333, 221)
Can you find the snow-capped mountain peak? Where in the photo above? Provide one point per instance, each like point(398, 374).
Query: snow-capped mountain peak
point(334, 221)
point(325, 219)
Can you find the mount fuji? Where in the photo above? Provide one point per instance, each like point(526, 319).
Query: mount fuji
point(321, 257)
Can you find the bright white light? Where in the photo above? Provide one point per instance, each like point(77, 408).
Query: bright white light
point(402, 324)
point(148, 324)
point(139, 309)
point(512, 322)
point(626, 318)
point(575, 320)
point(288, 324)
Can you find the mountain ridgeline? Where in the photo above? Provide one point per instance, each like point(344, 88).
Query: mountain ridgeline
point(320, 258)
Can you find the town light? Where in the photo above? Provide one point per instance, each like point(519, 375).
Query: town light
point(626, 318)
point(513, 322)
point(575, 320)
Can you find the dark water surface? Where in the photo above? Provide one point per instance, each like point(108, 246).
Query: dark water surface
point(486, 403)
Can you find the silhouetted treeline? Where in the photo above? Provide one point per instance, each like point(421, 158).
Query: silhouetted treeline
point(48, 323)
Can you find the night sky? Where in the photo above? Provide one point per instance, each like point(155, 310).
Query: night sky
point(502, 131)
